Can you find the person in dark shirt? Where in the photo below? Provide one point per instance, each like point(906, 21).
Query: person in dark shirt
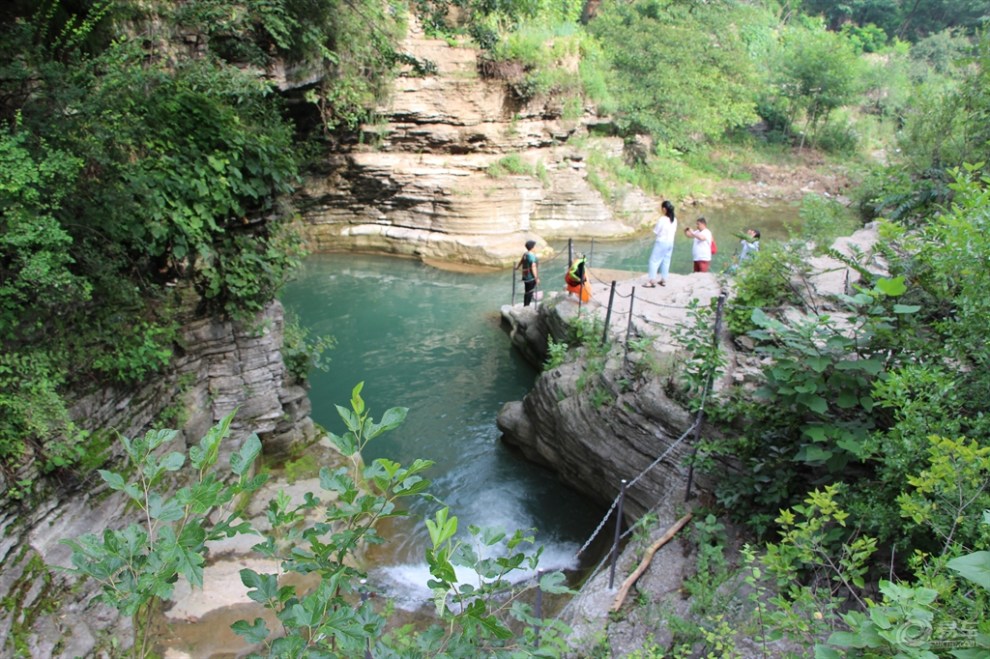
point(530, 271)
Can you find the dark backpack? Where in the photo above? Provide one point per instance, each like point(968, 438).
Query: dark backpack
point(526, 263)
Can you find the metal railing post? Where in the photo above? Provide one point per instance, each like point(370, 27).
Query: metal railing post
point(618, 528)
point(632, 300)
point(608, 314)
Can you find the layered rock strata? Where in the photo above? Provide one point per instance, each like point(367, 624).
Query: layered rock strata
point(597, 426)
point(423, 182)
point(225, 366)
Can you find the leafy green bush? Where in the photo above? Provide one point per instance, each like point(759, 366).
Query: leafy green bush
point(556, 354)
point(300, 353)
point(774, 114)
point(121, 176)
point(711, 92)
point(764, 281)
point(143, 350)
point(813, 417)
point(32, 408)
point(704, 358)
point(865, 38)
point(817, 72)
point(838, 136)
point(587, 330)
point(136, 567)
point(823, 220)
point(510, 164)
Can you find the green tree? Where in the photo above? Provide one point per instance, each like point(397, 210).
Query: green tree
point(818, 73)
point(813, 416)
point(137, 566)
point(907, 19)
point(679, 72)
point(36, 272)
point(125, 171)
point(941, 130)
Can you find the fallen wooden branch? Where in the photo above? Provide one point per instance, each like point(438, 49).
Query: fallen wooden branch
point(645, 563)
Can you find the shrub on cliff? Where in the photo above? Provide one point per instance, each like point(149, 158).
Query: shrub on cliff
point(137, 566)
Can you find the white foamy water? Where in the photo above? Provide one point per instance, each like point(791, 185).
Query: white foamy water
point(407, 586)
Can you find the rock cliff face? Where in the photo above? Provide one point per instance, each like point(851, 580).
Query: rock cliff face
point(597, 425)
point(598, 421)
point(419, 186)
point(225, 366)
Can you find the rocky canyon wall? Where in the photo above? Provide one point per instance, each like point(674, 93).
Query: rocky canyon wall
point(421, 186)
point(599, 420)
point(224, 366)
point(595, 426)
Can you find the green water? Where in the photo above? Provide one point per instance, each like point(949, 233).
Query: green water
point(431, 341)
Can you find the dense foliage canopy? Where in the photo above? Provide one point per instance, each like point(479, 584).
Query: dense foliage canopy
point(141, 147)
point(906, 19)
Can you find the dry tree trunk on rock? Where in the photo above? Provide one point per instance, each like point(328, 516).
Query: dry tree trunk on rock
point(645, 563)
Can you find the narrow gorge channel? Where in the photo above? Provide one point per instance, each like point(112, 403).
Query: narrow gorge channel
point(430, 340)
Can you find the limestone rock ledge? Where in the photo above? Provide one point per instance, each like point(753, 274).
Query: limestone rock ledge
point(418, 184)
point(596, 427)
point(224, 366)
point(594, 446)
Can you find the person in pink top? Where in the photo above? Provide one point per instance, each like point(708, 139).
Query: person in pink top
point(701, 251)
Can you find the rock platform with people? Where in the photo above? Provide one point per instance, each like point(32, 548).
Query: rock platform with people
point(657, 311)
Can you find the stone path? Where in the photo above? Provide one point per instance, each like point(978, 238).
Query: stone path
point(655, 311)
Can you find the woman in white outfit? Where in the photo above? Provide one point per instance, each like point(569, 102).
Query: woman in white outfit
point(663, 246)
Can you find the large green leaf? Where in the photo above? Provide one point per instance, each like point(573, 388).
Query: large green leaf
point(242, 460)
point(254, 633)
point(813, 453)
point(893, 287)
point(974, 567)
